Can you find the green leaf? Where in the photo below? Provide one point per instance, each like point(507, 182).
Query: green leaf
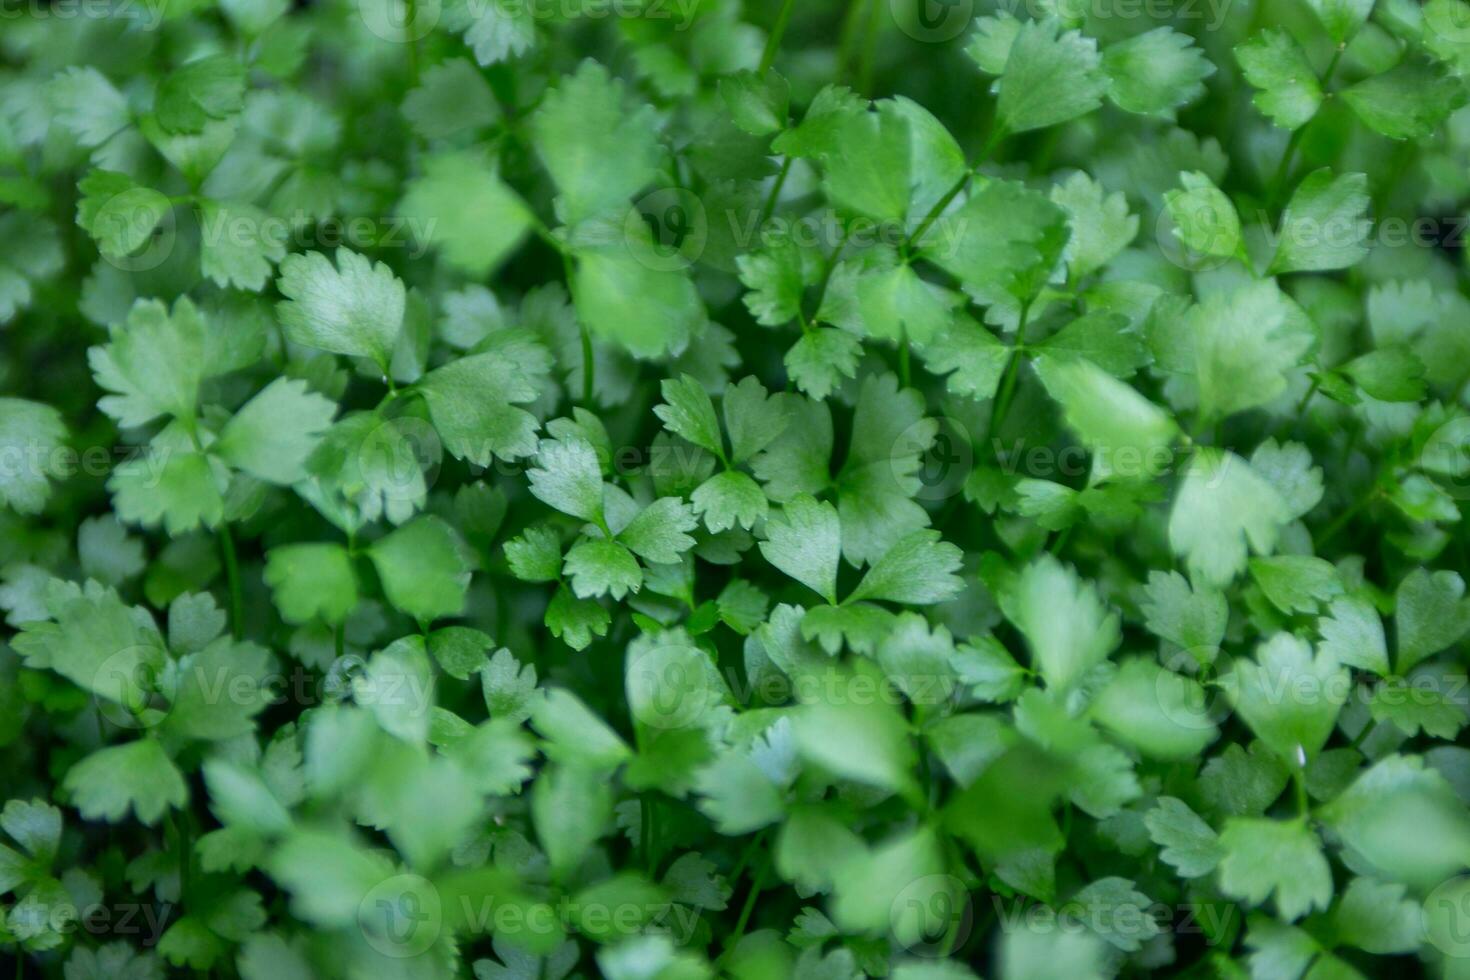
point(821, 359)
point(1100, 223)
point(599, 566)
point(1186, 842)
point(273, 435)
point(1296, 583)
point(1156, 72)
point(1204, 218)
point(1128, 434)
point(153, 363)
point(571, 807)
point(1403, 822)
point(856, 738)
point(120, 214)
point(1162, 714)
point(805, 542)
point(1324, 226)
point(1222, 507)
point(467, 212)
point(1283, 857)
point(1190, 616)
point(918, 570)
point(660, 532)
point(137, 776)
point(31, 437)
point(567, 476)
point(1352, 634)
point(1375, 916)
point(88, 105)
point(1289, 697)
point(597, 145)
point(1246, 345)
point(238, 247)
point(452, 98)
point(1389, 374)
point(1065, 623)
point(754, 417)
point(1409, 102)
point(646, 309)
point(1431, 614)
point(473, 404)
point(424, 568)
point(688, 412)
point(729, 499)
point(1275, 64)
point(212, 87)
point(758, 104)
point(310, 581)
point(1051, 76)
point(355, 308)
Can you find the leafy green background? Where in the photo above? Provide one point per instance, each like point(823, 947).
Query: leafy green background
point(665, 490)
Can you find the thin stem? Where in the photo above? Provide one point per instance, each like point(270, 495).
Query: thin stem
point(645, 835)
point(1332, 530)
point(904, 371)
point(870, 47)
point(411, 8)
point(769, 208)
point(756, 884)
point(1303, 807)
point(1008, 383)
point(773, 43)
point(1283, 170)
point(232, 576)
point(944, 202)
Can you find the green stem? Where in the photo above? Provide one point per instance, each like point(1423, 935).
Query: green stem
point(232, 577)
point(769, 208)
point(870, 47)
point(756, 884)
point(773, 43)
point(1341, 521)
point(1303, 807)
point(904, 371)
point(991, 142)
point(645, 835)
point(341, 639)
point(1283, 170)
point(1004, 396)
point(1008, 382)
point(412, 9)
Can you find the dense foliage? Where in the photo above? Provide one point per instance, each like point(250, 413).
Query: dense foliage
point(664, 489)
